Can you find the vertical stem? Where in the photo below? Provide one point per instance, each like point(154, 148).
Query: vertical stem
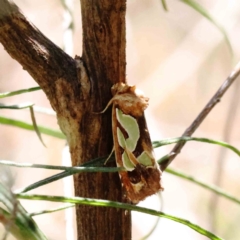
point(105, 60)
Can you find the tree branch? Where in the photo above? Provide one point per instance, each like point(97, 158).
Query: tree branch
point(203, 114)
point(43, 60)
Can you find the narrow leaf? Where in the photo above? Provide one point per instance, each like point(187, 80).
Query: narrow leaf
point(23, 106)
point(15, 219)
point(16, 106)
point(105, 203)
point(99, 162)
point(210, 187)
point(66, 168)
point(21, 91)
point(52, 210)
point(24, 125)
point(208, 16)
point(164, 5)
point(35, 125)
point(167, 141)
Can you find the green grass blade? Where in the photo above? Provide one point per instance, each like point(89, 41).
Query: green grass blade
point(27, 126)
point(69, 169)
point(22, 227)
point(16, 106)
point(46, 111)
point(30, 106)
point(167, 141)
point(73, 170)
point(60, 176)
point(196, 6)
point(52, 210)
point(164, 5)
point(38, 109)
point(21, 91)
point(35, 126)
point(15, 219)
point(97, 162)
point(212, 188)
point(105, 203)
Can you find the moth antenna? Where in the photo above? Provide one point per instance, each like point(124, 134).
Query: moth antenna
point(109, 156)
point(104, 110)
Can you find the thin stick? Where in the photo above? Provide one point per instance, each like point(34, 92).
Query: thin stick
point(219, 171)
point(203, 114)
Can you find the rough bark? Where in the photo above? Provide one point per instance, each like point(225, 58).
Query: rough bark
point(104, 56)
point(76, 88)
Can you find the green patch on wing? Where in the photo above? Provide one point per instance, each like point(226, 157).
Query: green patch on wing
point(127, 162)
point(145, 159)
point(130, 125)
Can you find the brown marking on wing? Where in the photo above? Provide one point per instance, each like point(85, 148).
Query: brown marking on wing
point(142, 181)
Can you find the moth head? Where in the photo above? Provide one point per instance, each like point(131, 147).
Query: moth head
point(119, 88)
point(129, 99)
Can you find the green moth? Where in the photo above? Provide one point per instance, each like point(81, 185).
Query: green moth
point(132, 143)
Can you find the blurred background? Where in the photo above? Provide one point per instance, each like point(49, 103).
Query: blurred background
point(179, 59)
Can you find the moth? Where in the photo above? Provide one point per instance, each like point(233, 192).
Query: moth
point(132, 143)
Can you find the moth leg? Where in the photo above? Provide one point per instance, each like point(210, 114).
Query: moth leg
point(131, 156)
point(109, 156)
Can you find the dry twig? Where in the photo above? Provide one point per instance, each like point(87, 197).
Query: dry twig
point(203, 114)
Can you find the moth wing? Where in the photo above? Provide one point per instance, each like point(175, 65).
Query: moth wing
point(144, 179)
